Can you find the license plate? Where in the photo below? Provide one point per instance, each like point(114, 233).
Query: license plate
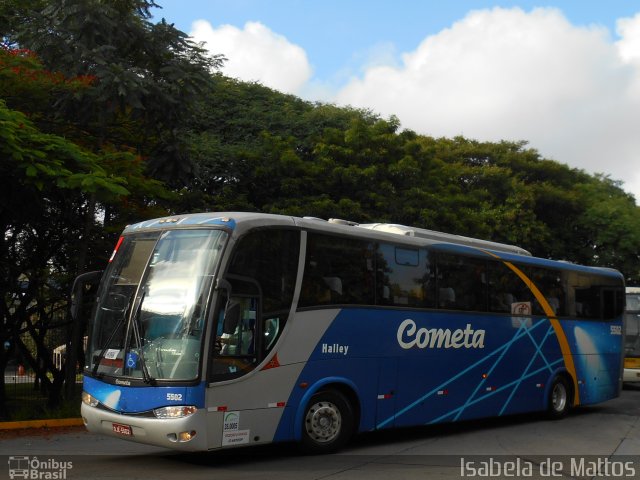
point(122, 429)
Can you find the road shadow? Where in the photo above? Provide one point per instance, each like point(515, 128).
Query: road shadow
point(281, 453)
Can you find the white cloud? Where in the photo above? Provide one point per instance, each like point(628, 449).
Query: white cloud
point(256, 53)
point(498, 74)
point(629, 44)
point(572, 92)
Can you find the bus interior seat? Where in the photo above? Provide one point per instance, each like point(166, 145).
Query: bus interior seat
point(160, 326)
point(446, 297)
point(554, 303)
point(334, 284)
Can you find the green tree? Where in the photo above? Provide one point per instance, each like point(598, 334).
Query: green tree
point(36, 217)
point(608, 228)
point(147, 75)
point(48, 179)
point(260, 150)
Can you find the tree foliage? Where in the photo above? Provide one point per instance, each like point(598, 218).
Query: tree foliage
point(48, 179)
point(256, 149)
point(147, 75)
point(81, 113)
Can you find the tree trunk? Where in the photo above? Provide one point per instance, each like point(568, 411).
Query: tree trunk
point(4, 414)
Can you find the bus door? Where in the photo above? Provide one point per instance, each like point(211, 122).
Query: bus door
point(245, 405)
point(237, 340)
point(235, 353)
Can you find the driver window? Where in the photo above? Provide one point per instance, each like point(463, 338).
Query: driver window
point(261, 276)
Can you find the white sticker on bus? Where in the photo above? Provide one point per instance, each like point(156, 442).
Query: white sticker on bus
point(231, 433)
point(111, 354)
point(231, 422)
point(409, 336)
point(521, 308)
point(235, 438)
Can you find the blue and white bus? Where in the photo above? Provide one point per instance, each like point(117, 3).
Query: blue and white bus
point(219, 330)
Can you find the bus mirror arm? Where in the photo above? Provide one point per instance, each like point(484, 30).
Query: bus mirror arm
point(79, 284)
point(223, 284)
point(231, 317)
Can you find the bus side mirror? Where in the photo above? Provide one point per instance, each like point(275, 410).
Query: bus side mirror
point(80, 284)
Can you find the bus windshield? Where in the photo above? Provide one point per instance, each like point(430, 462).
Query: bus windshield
point(151, 305)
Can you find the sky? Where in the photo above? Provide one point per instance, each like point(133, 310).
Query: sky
point(563, 76)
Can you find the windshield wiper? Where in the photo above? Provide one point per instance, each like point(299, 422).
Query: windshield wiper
point(146, 376)
point(96, 365)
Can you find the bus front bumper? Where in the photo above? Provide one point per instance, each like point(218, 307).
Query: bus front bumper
point(186, 434)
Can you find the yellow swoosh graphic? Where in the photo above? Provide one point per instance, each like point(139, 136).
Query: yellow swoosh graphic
point(557, 328)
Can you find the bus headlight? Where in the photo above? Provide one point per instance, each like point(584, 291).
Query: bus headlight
point(90, 400)
point(174, 412)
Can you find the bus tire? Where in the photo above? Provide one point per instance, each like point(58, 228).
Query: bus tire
point(327, 423)
point(559, 398)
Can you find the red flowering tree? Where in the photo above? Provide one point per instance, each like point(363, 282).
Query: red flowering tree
point(50, 171)
point(94, 101)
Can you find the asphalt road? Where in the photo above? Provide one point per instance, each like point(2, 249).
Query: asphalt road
point(600, 441)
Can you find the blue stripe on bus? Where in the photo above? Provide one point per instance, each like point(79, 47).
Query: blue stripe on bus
point(502, 350)
point(510, 374)
point(141, 399)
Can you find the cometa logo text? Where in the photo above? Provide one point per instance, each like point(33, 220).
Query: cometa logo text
point(409, 336)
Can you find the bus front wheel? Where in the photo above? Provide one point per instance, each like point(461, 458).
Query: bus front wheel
point(559, 397)
point(327, 422)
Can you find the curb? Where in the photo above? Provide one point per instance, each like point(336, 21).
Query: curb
point(63, 422)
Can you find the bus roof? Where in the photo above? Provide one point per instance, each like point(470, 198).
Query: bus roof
point(445, 237)
point(240, 222)
point(232, 219)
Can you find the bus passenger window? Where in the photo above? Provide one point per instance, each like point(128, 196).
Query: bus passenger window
point(550, 284)
point(405, 276)
point(338, 271)
point(588, 302)
point(462, 283)
point(446, 298)
point(508, 293)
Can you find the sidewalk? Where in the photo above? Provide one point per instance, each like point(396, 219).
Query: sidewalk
point(48, 423)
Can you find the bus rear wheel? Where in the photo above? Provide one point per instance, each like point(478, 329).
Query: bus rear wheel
point(327, 423)
point(559, 397)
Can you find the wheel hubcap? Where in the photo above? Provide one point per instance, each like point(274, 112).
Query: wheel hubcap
point(559, 397)
point(323, 422)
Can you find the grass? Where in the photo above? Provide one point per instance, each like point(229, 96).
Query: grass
point(25, 403)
